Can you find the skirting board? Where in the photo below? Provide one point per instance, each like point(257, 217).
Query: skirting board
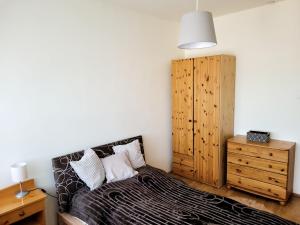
point(296, 195)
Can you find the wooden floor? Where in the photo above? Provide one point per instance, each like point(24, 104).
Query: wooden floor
point(290, 211)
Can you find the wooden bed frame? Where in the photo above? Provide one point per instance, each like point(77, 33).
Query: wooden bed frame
point(67, 219)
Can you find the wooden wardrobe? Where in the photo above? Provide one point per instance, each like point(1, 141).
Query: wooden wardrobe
point(202, 116)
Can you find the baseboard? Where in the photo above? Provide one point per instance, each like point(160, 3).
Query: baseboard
point(296, 195)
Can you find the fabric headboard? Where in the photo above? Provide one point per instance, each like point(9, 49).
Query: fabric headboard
point(66, 180)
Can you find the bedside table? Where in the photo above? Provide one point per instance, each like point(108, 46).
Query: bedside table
point(29, 210)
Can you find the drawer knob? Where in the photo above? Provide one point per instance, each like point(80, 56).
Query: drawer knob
point(22, 213)
point(271, 154)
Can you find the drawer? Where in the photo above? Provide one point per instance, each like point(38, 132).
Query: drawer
point(22, 213)
point(257, 186)
point(256, 174)
point(263, 164)
point(183, 159)
point(183, 170)
point(259, 152)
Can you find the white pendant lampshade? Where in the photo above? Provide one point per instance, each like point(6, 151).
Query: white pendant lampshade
point(197, 30)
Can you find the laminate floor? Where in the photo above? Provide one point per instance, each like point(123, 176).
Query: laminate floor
point(290, 211)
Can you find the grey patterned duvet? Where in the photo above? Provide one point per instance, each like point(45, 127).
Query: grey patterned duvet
point(154, 197)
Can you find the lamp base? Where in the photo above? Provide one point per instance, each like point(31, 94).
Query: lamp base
point(21, 194)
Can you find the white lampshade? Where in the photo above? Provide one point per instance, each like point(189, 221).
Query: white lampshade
point(197, 30)
point(18, 172)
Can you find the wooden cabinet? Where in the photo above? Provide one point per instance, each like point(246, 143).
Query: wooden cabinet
point(263, 169)
point(202, 116)
point(28, 210)
point(182, 117)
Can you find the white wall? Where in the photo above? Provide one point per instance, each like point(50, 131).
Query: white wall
point(266, 42)
point(80, 73)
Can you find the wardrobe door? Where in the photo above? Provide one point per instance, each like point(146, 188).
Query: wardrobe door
point(207, 119)
point(182, 117)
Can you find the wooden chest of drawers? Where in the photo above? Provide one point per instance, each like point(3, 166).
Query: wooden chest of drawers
point(28, 210)
point(263, 169)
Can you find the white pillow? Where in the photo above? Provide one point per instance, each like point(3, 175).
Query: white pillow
point(135, 156)
point(90, 169)
point(117, 167)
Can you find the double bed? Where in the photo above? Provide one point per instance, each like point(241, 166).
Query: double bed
point(150, 197)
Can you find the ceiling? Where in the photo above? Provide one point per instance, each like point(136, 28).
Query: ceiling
point(174, 9)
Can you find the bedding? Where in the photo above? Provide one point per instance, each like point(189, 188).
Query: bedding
point(67, 182)
point(154, 197)
point(134, 151)
point(90, 169)
point(117, 167)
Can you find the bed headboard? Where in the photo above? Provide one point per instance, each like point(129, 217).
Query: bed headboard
point(66, 180)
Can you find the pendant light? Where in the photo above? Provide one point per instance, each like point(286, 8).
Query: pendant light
point(197, 30)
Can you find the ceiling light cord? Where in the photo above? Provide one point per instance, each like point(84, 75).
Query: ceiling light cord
point(197, 5)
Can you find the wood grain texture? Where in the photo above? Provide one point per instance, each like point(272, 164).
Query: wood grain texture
point(258, 152)
point(247, 184)
point(28, 210)
point(182, 115)
point(290, 211)
point(264, 169)
point(214, 80)
point(291, 165)
point(183, 170)
point(227, 108)
point(259, 163)
point(273, 144)
point(210, 117)
point(182, 106)
point(67, 219)
point(256, 174)
point(183, 159)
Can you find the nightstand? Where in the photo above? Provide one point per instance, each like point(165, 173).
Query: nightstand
point(29, 210)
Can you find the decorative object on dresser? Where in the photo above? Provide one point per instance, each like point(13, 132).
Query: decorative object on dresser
point(266, 169)
point(202, 116)
point(18, 175)
point(258, 136)
point(28, 210)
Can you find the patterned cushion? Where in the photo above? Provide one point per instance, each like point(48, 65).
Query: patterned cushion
point(67, 181)
point(90, 169)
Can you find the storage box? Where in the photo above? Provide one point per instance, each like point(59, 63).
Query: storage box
point(258, 136)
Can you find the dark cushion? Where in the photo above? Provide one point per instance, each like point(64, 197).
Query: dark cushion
point(67, 181)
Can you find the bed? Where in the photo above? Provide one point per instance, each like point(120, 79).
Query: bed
point(150, 197)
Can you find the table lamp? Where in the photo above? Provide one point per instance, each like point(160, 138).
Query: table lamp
point(18, 175)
